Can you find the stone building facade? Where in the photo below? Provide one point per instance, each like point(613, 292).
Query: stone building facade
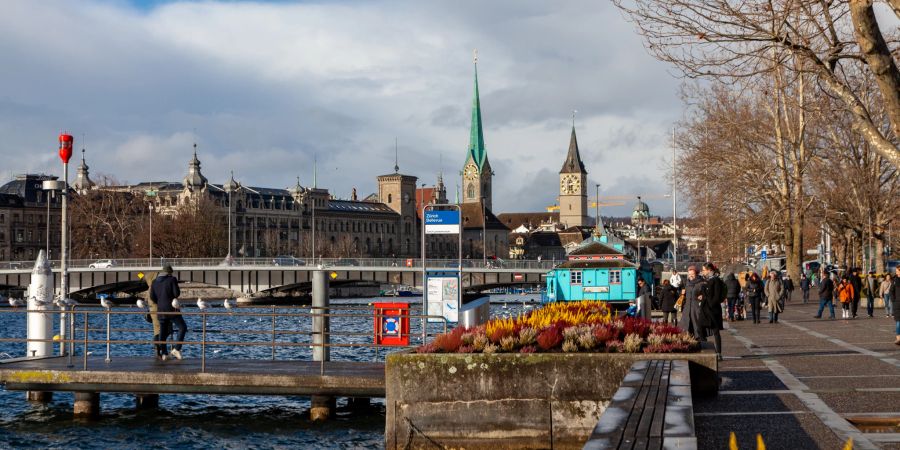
point(24, 218)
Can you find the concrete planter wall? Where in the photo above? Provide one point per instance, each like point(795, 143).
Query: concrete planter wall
point(538, 400)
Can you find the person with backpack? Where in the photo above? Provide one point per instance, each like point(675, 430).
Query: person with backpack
point(754, 292)
point(165, 292)
point(846, 294)
point(826, 295)
point(732, 294)
point(857, 283)
point(711, 306)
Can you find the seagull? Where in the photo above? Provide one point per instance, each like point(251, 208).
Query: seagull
point(176, 304)
point(104, 302)
point(63, 302)
point(202, 304)
point(16, 302)
point(229, 303)
point(140, 303)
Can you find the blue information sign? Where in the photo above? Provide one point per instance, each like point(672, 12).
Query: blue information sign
point(441, 222)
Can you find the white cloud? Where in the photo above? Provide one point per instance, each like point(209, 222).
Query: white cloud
point(270, 86)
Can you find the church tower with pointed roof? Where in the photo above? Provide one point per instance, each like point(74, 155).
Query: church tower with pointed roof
point(477, 174)
point(573, 210)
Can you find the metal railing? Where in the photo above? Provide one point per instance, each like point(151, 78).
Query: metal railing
point(81, 337)
point(237, 263)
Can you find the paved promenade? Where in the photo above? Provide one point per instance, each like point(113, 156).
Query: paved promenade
point(799, 381)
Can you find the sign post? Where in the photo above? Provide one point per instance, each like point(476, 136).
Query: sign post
point(442, 289)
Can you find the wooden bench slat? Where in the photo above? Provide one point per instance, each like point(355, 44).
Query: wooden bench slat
point(630, 429)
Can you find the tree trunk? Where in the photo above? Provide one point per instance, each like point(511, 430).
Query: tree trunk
point(878, 57)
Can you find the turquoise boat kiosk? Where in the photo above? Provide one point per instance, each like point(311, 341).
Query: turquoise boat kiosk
point(596, 270)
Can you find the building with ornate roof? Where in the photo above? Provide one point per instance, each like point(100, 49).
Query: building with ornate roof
point(26, 213)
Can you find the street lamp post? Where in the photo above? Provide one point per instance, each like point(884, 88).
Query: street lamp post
point(229, 189)
point(66, 142)
point(483, 234)
point(674, 207)
point(151, 195)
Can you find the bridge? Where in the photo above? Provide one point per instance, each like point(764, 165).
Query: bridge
point(261, 275)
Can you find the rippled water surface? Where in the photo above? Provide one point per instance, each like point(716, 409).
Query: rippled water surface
point(206, 421)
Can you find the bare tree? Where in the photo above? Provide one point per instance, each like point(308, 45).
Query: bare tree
point(737, 40)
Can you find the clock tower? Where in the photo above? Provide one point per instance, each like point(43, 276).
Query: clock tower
point(476, 173)
point(572, 188)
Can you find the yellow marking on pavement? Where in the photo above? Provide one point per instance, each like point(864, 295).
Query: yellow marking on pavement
point(38, 376)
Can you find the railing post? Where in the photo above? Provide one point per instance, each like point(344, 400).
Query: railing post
point(203, 344)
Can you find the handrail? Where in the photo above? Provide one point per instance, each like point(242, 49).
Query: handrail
point(85, 339)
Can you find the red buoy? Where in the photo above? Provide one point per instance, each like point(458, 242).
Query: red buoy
point(65, 147)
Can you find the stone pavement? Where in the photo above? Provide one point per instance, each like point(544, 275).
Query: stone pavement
point(799, 381)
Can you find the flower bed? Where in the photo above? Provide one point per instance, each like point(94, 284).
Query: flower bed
point(586, 326)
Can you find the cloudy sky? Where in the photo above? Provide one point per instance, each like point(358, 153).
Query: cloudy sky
point(266, 88)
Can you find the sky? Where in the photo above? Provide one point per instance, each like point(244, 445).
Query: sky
point(267, 88)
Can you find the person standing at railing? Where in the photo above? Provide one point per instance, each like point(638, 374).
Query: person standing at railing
point(164, 292)
point(151, 305)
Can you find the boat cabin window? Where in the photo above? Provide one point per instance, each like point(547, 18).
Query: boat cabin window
point(615, 277)
point(576, 277)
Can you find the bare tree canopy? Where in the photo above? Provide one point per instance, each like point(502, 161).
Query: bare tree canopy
point(835, 40)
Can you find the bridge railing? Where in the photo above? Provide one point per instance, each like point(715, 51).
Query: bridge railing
point(145, 263)
point(280, 332)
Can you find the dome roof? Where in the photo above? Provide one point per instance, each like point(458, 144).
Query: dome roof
point(641, 211)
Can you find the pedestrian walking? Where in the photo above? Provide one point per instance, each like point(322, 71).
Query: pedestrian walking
point(872, 288)
point(711, 306)
point(846, 293)
point(857, 283)
point(645, 304)
point(668, 295)
point(804, 287)
point(886, 295)
point(732, 294)
point(826, 295)
point(788, 284)
point(775, 293)
point(754, 293)
point(164, 291)
point(693, 295)
point(895, 306)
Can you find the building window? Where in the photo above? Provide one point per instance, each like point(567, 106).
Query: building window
point(390, 198)
point(470, 191)
point(615, 277)
point(2, 218)
point(576, 277)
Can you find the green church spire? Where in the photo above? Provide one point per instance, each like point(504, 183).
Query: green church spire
point(476, 134)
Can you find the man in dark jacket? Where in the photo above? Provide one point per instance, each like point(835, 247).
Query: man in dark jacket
point(871, 293)
point(645, 304)
point(804, 286)
point(826, 295)
point(711, 306)
point(788, 285)
point(163, 291)
point(732, 293)
point(857, 284)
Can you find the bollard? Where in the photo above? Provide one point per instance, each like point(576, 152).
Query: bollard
point(87, 405)
point(321, 405)
point(40, 324)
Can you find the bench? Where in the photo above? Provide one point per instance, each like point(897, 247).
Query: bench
point(652, 409)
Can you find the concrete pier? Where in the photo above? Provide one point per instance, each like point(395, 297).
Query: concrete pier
point(146, 401)
point(39, 396)
point(87, 405)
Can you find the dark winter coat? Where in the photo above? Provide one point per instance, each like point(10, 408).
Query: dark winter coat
point(788, 285)
point(711, 306)
point(826, 289)
point(163, 291)
point(857, 283)
point(895, 298)
point(754, 289)
point(733, 286)
point(804, 284)
point(668, 296)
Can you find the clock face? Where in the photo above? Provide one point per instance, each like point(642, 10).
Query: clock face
point(470, 172)
point(569, 184)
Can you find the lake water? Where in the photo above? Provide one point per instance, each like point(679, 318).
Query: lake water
point(206, 421)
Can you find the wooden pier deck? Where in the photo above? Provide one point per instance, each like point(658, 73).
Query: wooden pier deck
point(146, 375)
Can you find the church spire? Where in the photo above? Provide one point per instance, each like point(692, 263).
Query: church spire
point(573, 163)
point(476, 133)
point(194, 178)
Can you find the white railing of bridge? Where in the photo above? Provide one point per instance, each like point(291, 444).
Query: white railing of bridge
point(177, 263)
